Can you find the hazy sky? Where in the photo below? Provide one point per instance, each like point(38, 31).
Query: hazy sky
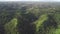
point(29, 0)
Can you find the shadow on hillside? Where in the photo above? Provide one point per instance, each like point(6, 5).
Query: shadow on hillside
point(48, 25)
point(3, 21)
point(25, 25)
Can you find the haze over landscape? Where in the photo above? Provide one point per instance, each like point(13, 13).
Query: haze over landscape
point(34, 0)
point(29, 16)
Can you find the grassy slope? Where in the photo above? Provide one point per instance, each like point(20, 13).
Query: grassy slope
point(10, 27)
point(57, 19)
point(40, 21)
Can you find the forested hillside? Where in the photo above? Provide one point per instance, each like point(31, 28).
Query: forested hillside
point(29, 18)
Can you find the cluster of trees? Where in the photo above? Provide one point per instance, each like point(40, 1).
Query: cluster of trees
point(30, 20)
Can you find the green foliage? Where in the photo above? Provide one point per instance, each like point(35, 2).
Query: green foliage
point(40, 21)
point(57, 19)
point(57, 31)
point(34, 10)
point(26, 16)
point(11, 27)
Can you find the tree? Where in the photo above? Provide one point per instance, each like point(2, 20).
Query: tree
point(39, 22)
point(11, 27)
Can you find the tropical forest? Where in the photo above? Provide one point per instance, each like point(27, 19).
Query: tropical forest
point(29, 17)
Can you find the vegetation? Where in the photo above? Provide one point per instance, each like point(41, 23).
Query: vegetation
point(40, 21)
point(11, 27)
point(29, 18)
